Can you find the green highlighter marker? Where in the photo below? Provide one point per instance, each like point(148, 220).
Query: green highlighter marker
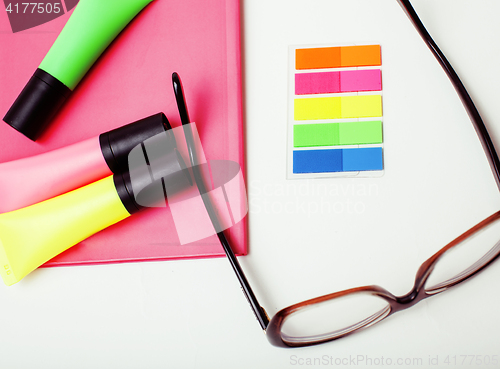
point(88, 32)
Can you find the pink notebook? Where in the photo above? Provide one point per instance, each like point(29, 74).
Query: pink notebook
point(198, 39)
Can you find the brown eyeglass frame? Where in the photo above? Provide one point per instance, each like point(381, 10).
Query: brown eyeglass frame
point(395, 303)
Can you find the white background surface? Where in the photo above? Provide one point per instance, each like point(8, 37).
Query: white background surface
point(437, 184)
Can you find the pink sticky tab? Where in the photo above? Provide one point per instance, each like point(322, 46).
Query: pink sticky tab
point(361, 80)
point(317, 83)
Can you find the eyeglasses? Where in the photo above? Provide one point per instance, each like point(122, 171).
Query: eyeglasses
point(339, 314)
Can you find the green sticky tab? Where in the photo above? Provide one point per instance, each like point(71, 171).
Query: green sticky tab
point(357, 133)
point(306, 135)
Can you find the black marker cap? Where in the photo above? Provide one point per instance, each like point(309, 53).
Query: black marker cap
point(37, 104)
point(117, 144)
point(150, 189)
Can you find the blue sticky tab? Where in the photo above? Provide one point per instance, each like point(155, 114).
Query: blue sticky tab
point(317, 161)
point(368, 158)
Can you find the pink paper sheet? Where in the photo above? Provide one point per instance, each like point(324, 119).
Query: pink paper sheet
point(132, 79)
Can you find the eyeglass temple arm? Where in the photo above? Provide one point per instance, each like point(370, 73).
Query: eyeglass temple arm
point(258, 310)
point(477, 121)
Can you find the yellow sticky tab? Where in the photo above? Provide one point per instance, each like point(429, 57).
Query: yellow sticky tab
point(317, 108)
point(361, 106)
point(370, 106)
point(349, 106)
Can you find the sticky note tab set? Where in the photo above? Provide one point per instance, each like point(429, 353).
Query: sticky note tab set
point(335, 112)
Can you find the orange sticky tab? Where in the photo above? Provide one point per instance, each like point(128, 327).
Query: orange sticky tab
point(316, 58)
point(360, 56)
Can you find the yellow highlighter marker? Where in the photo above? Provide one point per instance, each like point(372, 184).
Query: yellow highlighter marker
point(33, 235)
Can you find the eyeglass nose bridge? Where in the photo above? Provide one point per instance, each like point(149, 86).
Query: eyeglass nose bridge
point(417, 293)
point(406, 301)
